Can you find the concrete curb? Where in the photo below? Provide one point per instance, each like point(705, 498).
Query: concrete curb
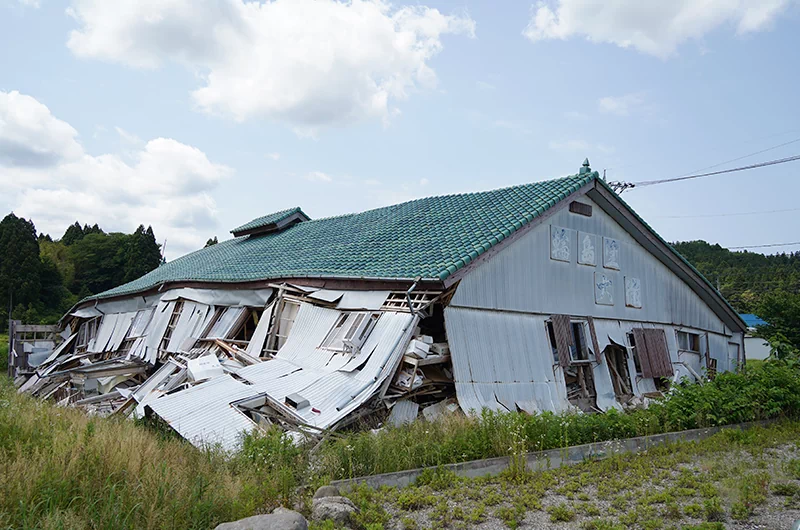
point(549, 459)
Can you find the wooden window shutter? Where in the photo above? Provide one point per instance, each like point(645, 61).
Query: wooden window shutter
point(642, 353)
point(561, 328)
point(595, 344)
point(660, 362)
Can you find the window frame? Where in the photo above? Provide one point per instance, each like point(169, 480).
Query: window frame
point(691, 337)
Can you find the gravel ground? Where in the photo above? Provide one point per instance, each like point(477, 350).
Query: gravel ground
point(732, 481)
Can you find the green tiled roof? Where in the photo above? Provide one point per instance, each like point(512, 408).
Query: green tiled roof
point(430, 238)
point(272, 218)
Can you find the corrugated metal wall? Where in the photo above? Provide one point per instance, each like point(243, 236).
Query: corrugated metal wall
point(496, 319)
point(523, 278)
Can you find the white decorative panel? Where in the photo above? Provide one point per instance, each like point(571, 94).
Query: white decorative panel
point(587, 249)
point(561, 243)
point(611, 249)
point(633, 292)
point(603, 284)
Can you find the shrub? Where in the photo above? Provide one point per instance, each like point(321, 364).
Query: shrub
point(561, 513)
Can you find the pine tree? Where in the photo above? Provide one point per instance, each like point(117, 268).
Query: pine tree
point(20, 266)
point(142, 253)
point(74, 233)
point(212, 241)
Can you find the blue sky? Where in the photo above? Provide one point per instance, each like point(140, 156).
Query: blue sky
point(197, 119)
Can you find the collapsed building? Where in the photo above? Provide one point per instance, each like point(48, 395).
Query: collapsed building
point(549, 296)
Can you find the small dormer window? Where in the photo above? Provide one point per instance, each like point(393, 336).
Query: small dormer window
point(269, 224)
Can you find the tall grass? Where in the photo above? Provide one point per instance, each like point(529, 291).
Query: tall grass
point(770, 391)
point(3, 354)
point(62, 469)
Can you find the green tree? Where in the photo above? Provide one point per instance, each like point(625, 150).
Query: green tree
point(20, 267)
point(74, 233)
point(781, 311)
point(99, 261)
point(142, 255)
point(212, 241)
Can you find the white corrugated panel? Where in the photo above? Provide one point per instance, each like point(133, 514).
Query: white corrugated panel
point(155, 331)
point(403, 412)
point(203, 414)
point(222, 327)
point(365, 300)
point(221, 297)
point(61, 347)
point(124, 321)
point(256, 345)
point(192, 316)
point(326, 295)
point(501, 361)
point(104, 333)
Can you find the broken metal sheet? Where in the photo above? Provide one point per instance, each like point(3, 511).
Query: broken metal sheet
point(155, 380)
point(121, 328)
point(107, 384)
point(192, 315)
point(104, 333)
point(326, 295)
point(86, 312)
point(363, 300)
point(222, 327)
point(204, 414)
point(438, 410)
point(256, 344)
point(221, 297)
point(155, 331)
point(140, 322)
point(403, 412)
point(515, 380)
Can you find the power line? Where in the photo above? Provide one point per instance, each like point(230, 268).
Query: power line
point(733, 170)
point(743, 157)
point(766, 246)
point(736, 214)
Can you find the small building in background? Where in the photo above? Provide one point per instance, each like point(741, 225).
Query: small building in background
point(757, 348)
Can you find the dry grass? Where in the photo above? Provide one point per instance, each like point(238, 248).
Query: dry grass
point(62, 469)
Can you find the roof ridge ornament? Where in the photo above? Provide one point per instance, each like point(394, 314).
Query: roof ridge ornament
point(585, 169)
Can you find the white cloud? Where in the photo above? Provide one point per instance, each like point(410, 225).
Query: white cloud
point(424, 182)
point(30, 136)
point(318, 176)
point(621, 105)
point(483, 85)
point(30, 3)
point(52, 180)
point(128, 137)
point(306, 63)
point(655, 27)
point(273, 156)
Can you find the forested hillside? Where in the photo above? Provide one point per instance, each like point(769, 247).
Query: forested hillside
point(43, 277)
point(768, 286)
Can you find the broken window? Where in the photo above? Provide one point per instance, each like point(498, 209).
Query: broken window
point(86, 333)
point(617, 359)
point(689, 341)
point(350, 331)
point(571, 351)
point(286, 321)
point(173, 321)
point(635, 354)
point(138, 329)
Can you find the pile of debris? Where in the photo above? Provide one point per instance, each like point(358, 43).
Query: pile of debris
point(216, 364)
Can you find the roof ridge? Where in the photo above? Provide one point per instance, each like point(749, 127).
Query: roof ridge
point(451, 195)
